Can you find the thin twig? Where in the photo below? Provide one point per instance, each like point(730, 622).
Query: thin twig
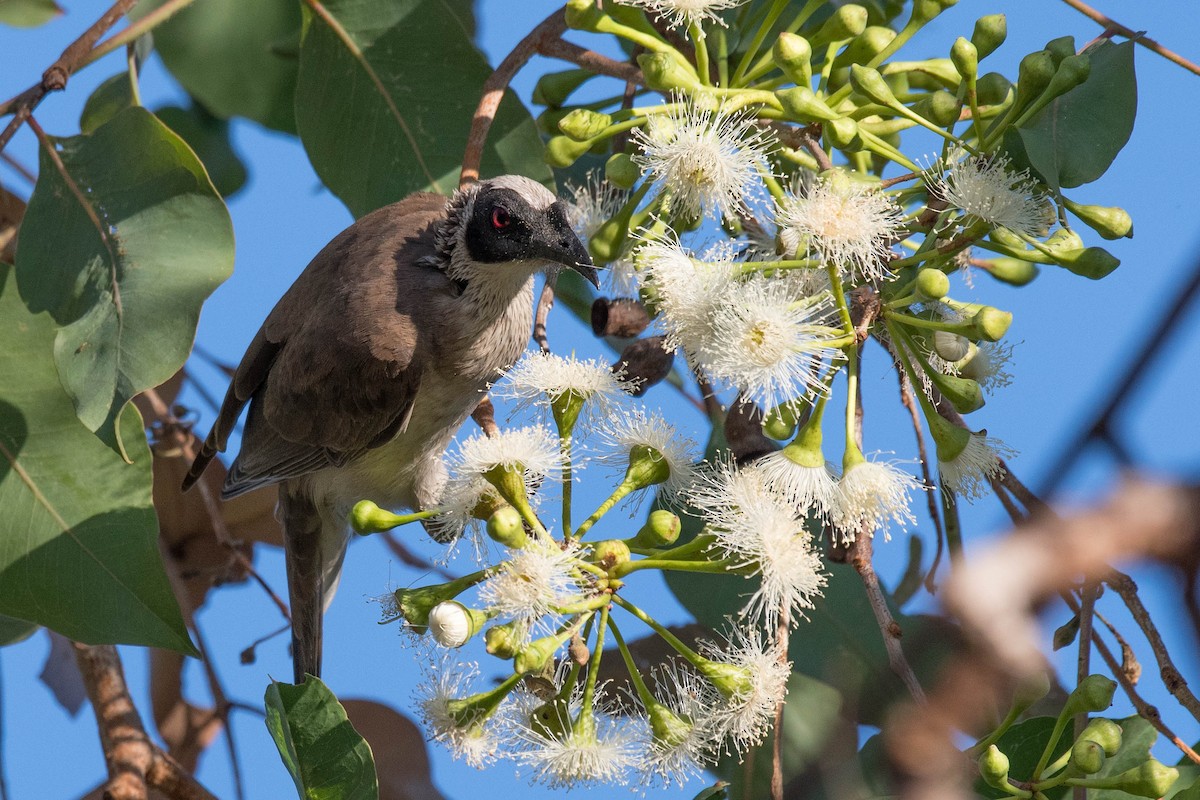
point(591, 60)
point(221, 707)
point(22, 170)
point(859, 554)
point(809, 137)
point(782, 636)
point(130, 35)
point(1137, 37)
point(1124, 586)
point(1083, 660)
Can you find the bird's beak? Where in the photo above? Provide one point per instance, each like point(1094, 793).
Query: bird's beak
point(557, 243)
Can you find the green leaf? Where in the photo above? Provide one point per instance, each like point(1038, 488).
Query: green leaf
point(226, 54)
point(327, 758)
point(1075, 139)
point(407, 76)
point(28, 13)
point(1023, 743)
point(1188, 785)
point(122, 251)
point(718, 791)
point(110, 98)
point(78, 536)
point(208, 136)
point(14, 630)
point(1137, 737)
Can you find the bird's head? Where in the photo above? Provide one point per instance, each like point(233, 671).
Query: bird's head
point(513, 221)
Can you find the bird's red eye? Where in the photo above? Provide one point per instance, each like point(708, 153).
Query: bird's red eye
point(500, 218)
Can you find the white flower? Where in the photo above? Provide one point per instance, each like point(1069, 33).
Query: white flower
point(541, 379)
point(575, 745)
point(706, 159)
point(767, 344)
point(843, 223)
point(873, 495)
point(751, 674)
point(984, 188)
point(460, 498)
point(685, 12)
point(688, 292)
point(810, 489)
point(636, 428)
point(446, 680)
point(532, 582)
point(687, 738)
point(534, 450)
point(969, 473)
point(989, 365)
point(591, 205)
point(449, 624)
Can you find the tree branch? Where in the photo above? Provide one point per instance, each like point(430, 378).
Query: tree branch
point(1116, 27)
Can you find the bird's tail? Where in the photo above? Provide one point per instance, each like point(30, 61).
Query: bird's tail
point(314, 548)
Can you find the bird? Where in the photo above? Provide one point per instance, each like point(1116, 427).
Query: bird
point(373, 359)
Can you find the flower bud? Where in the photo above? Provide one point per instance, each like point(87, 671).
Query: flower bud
point(583, 124)
point(871, 85)
point(451, 623)
point(868, 44)
point(506, 527)
point(780, 422)
point(1094, 693)
point(939, 107)
point(415, 605)
point(502, 641)
point(661, 529)
point(990, 32)
point(553, 88)
point(645, 362)
point(583, 15)
point(1030, 690)
point(620, 170)
point(563, 151)
point(535, 656)
point(964, 394)
point(664, 73)
point(1090, 262)
point(1033, 76)
point(1105, 733)
point(1151, 779)
point(932, 283)
point(793, 54)
point(647, 467)
point(843, 134)
point(993, 768)
point(1087, 757)
point(950, 346)
point(846, 22)
point(367, 517)
point(991, 323)
point(992, 89)
point(965, 58)
point(925, 10)
point(802, 104)
point(551, 720)
point(609, 553)
point(1014, 271)
point(1061, 48)
point(1108, 221)
point(1073, 71)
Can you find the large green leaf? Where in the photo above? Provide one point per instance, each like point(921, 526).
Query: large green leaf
point(385, 96)
point(14, 630)
point(1075, 139)
point(122, 250)
point(208, 136)
point(28, 13)
point(326, 757)
point(78, 534)
point(236, 57)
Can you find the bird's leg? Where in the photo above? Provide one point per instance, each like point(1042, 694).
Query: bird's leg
point(305, 576)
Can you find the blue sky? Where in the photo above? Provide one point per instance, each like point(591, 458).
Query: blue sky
point(1075, 336)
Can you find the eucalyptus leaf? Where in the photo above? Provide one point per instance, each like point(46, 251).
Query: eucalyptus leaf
point(78, 536)
point(408, 78)
point(123, 240)
point(326, 757)
point(13, 630)
point(28, 13)
point(109, 99)
point(208, 136)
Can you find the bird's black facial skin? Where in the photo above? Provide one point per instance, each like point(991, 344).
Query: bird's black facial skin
point(504, 227)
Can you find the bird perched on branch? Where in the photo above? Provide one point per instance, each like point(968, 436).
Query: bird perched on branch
point(372, 360)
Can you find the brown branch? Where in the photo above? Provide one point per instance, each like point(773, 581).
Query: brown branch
point(542, 315)
point(1124, 586)
point(1137, 37)
point(810, 138)
point(22, 170)
point(552, 27)
point(591, 60)
point(859, 554)
point(135, 764)
point(782, 635)
point(55, 78)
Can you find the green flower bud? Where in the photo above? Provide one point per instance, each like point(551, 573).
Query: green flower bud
point(925, 10)
point(939, 107)
point(1151, 779)
point(951, 346)
point(965, 58)
point(1061, 48)
point(992, 89)
point(991, 323)
point(551, 720)
point(583, 15)
point(990, 32)
point(846, 22)
point(1030, 690)
point(793, 54)
point(647, 467)
point(963, 393)
point(930, 74)
point(1033, 76)
point(1073, 71)
point(535, 656)
point(1094, 693)
point(780, 422)
point(609, 553)
point(1105, 733)
point(932, 283)
point(871, 85)
point(415, 604)
point(1014, 271)
point(554, 88)
point(1108, 221)
point(608, 242)
point(666, 727)
point(502, 641)
point(583, 124)
point(664, 73)
point(868, 44)
point(506, 527)
point(547, 121)
point(563, 151)
point(843, 134)
point(367, 517)
point(661, 529)
point(993, 768)
point(451, 624)
point(803, 105)
point(620, 171)
point(1087, 757)
point(1090, 262)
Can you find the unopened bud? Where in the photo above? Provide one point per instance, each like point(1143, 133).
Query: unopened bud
point(780, 422)
point(868, 44)
point(647, 467)
point(1151, 779)
point(870, 84)
point(502, 641)
point(622, 317)
point(965, 58)
point(993, 768)
point(609, 553)
point(1094, 693)
point(950, 346)
point(1030, 690)
point(793, 54)
point(451, 623)
point(1105, 733)
point(367, 517)
point(1033, 76)
point(1073, 71)
point(1014, 271)
point(992, 89)
point(1090, 262)
point(925, 10)
point(843, 134)
point(661, 529)
point(553, 88)
point(506, 527)
point(583, 15)
point(991, 323)
point(583, 124)
point(644, 363)
point(939, 107)
point(1060, 48)
point(802, 105)
point(664, 73)
point(964, 394)
point(1108, 221)
point(1087, 757)
point(535, 656)
point(845, 23)
point(990, 32)
point(932, 283)
point(621, 171)
point(563, 151)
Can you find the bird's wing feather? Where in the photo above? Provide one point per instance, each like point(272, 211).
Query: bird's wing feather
point(347, 360)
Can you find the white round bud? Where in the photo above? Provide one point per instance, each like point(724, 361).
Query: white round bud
point(450, 624)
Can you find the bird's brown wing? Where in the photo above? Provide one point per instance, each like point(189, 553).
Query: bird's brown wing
point(334, 369)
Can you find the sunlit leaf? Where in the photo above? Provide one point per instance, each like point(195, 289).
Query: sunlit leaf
point(28, 13)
